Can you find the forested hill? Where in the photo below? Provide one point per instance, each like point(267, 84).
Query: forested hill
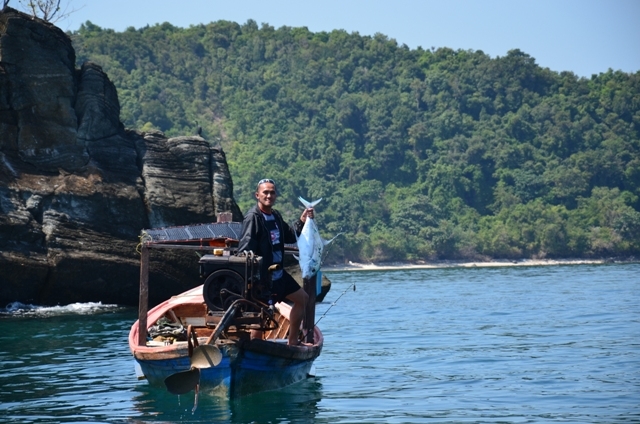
point(418, 154)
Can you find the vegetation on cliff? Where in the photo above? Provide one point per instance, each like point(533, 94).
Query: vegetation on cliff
point(418, 153)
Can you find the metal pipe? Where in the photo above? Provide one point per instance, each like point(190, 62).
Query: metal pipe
point(310, 313)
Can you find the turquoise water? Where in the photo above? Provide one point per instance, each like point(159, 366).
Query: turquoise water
point(508, 345)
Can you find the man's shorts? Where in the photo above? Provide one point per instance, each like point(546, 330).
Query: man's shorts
point(284, 286)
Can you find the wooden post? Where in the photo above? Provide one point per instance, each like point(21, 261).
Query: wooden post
point(224, 217)
point(310, 313)
point(143, 302)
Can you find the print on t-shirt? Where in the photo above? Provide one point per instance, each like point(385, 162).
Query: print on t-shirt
point(275, 236)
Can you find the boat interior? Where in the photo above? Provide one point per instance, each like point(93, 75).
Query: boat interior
point(196, 321)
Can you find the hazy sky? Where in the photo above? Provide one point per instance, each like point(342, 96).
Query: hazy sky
point(581, 36)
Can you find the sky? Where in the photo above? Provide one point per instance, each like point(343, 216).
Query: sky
point(581, 36)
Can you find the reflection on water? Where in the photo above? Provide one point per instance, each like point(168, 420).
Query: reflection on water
point(296, 403)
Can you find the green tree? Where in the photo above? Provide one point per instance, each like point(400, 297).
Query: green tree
point(418, 154)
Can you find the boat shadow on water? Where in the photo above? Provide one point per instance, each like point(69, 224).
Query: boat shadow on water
point(294, 403)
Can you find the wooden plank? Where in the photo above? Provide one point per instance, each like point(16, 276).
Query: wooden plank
point(281, 331)
point(283, 327)
point(191, 310)
point(143, 302)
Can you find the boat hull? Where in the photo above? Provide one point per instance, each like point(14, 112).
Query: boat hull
point(156, 371)
point(247, 366)
point(249, 372)
point(258, 373)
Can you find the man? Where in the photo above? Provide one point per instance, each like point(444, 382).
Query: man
point(265, 233)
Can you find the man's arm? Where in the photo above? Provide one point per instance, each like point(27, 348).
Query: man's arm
point(249, 239)
point(298, 226)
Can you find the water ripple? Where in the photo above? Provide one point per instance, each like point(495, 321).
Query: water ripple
point(515, 345)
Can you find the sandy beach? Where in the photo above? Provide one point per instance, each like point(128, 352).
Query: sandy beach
point(354, 266)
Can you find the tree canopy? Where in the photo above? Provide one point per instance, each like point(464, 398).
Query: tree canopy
point(419, 154)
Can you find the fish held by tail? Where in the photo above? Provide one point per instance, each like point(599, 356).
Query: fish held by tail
point(307, 204)
point(310, 244)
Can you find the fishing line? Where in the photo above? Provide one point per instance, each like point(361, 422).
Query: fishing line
point(330, 243)
point(336, 301)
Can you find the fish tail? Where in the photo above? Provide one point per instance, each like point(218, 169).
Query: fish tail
point(326, 242)
point(308, 204)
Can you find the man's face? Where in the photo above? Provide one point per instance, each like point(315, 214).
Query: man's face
point(266, 196)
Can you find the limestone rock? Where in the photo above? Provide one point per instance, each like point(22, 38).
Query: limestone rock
point(76, 188)
point(96, 98)
point(39, 90)
point(193, 195)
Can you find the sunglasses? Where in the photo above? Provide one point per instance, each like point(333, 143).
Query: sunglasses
point(265, 180)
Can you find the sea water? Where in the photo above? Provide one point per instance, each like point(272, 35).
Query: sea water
point(508, 345)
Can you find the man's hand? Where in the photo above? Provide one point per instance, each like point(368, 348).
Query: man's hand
point(306, 213)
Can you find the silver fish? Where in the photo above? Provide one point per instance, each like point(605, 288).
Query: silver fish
point(310, 244)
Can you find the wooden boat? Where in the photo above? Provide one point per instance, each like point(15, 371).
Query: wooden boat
point(225, 333)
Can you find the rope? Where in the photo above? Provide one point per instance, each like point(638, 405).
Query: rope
point(144, 238)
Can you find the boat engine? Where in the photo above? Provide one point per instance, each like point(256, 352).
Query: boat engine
point(229, 277)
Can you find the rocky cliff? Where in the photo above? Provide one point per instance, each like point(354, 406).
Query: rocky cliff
point(76, 187)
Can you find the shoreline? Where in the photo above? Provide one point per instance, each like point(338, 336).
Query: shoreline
point(386, 266)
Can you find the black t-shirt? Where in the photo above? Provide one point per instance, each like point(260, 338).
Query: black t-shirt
point(276, 243)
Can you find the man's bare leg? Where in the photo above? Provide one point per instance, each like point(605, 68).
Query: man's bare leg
point(299, 299)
